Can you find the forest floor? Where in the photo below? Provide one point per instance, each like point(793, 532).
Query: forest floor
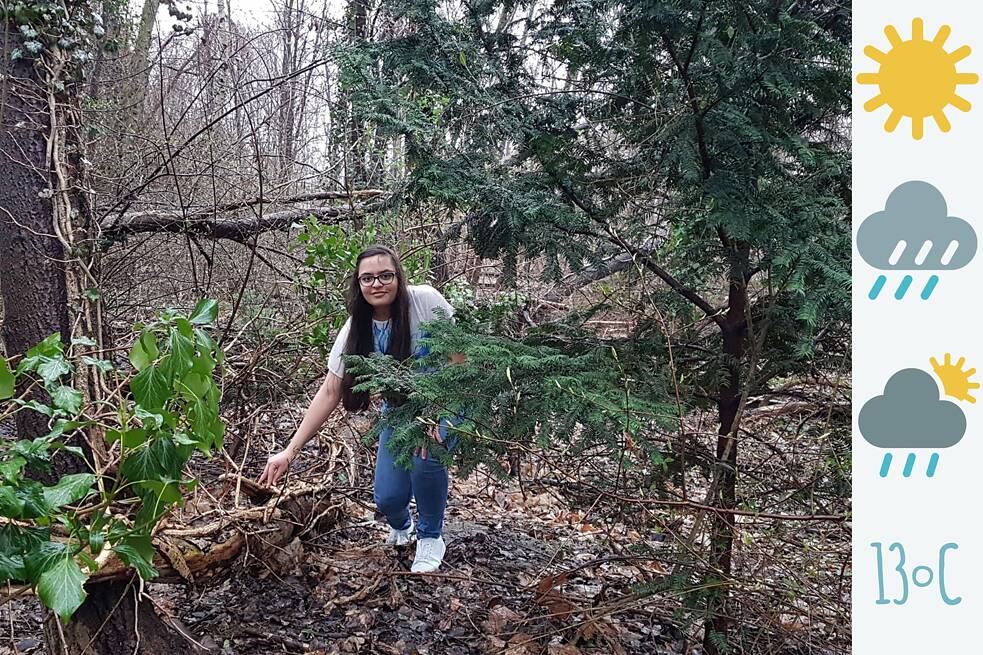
point(343, 591)
point(524, 574)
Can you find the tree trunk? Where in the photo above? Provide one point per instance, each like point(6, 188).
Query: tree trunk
point(112, 621)
point(356, 171)
point(719, 616)
point(139, 65)
point(290, 17)
point(32, 279)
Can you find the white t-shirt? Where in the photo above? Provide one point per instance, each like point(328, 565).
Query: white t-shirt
point(424, 301)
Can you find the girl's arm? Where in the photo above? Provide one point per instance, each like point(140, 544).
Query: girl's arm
point(323, 403)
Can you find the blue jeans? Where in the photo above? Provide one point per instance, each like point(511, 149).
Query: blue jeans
point(427, 480)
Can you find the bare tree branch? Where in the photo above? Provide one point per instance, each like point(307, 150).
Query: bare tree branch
point(206, 224)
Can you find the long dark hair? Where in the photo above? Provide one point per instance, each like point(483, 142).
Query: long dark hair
point(360, 341)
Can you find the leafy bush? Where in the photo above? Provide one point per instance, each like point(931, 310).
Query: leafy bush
point(160, 414)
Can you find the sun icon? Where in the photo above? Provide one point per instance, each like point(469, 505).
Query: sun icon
point(955, 381)
point(917, 78)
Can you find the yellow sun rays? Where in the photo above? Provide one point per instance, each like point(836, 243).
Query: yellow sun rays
point(917, 78)
point(955, 381)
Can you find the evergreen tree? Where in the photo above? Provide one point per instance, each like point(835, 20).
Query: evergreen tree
point(704, 141)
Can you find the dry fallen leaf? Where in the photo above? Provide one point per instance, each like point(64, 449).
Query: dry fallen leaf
point(352, 644)
point(523, 643)
point(550, 581)
point(562, 649)
point(498, 617)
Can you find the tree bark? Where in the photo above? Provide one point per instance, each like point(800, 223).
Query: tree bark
point(33, 277)
point(139, 65)
point(719, 617)
point(111, 620)
point(356, 169)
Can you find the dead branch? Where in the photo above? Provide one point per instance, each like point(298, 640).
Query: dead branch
point(205, 224)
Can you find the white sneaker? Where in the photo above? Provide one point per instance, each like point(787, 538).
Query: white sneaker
point(400, 537)
point(429, 555)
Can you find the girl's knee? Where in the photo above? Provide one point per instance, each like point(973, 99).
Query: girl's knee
point(390, 502)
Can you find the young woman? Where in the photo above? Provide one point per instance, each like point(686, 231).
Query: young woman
point(384, 316)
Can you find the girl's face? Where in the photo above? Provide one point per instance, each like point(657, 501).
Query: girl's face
point(378, 292)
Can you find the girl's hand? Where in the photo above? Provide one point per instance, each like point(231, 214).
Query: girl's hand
point(276, 466)
point(434, 432)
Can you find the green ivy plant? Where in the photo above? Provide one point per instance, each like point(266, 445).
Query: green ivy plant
point(164, 410)
point(74, 29)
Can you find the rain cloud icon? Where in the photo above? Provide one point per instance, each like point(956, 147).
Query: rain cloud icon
point(914, 232)
point(911, 414)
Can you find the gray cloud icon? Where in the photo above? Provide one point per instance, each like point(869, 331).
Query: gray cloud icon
point(914, 232)
point(911, 415)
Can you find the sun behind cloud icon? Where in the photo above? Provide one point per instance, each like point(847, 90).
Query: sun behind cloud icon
point(917, 78)
point(911, 414)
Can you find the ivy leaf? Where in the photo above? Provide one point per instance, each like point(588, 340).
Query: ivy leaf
point(60, 426)
point(10, 505)
point(42, 352)
point(149, 418)
point(17, 539)
point(203, 363)
point(10, 469)
point(75, 450)
point(103, 365)
point(194, 385)
point(35, 504)
point(11, 567)
point(50, 347)
point(209, 344)
point(132, 557)
point(144, 351)
point(6, 380)
point(156, 461)
point(67, 399)
point(169, 491)
point(217, 430)
point(150, 388)
point(134, 438)
point(184, 327)
point(60, 588)
point(52, 368)
point(201, 419)
point(35, 405)
point(182, 439)
point(181, 346)
point(83, 341)
point(180, 357)
point(69, 489)
point(43, 558)
point(205, 313)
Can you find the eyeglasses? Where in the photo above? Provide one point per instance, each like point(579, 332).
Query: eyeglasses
point(368, 279)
